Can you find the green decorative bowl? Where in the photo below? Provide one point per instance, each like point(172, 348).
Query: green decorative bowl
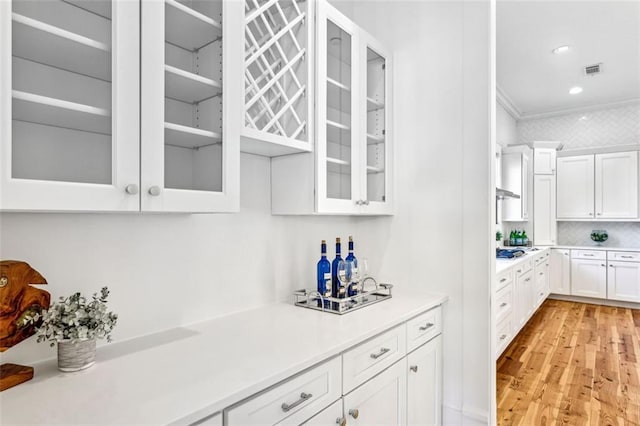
point(599, 236)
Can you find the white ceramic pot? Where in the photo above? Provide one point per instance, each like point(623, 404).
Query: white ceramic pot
point(75, 356)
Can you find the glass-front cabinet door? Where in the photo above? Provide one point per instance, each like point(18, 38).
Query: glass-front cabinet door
point(69, 91)
point(338, 186)
point(189, 151)
point(375, 139)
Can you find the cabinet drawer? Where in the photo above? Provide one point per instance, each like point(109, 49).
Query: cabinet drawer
point(523, 267)
point(371, 357)
point(504, 278)
point(504, 302)
point(624, 256)
point(296, 399)
point(423, 328)
point(504, 333)
point(589, 254)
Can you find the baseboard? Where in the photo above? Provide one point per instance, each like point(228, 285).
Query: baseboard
point(594, 301)
point(467, 416)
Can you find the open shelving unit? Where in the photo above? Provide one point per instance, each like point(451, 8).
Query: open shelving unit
point(61, 62)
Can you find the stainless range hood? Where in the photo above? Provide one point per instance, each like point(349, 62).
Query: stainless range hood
point(503, 193)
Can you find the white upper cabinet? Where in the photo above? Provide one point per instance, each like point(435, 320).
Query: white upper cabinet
point(517, 178)
point(616, 185)
point(117, 106)
point(353, 158)
point(69, 88)
point(277, 93)
point(189, 144)
point(544, 210)
point(600, 186)
point(575, 187)
point(544, 161)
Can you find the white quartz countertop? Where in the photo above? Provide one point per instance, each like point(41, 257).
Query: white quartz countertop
point(603, 247)
point(503, 264)
point(187, 373)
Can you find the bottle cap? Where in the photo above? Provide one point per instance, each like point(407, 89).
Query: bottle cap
point(324, 242)
point(337, 239)
point(350, 238)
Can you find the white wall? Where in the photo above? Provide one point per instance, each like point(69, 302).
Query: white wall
point(168, 270)
point(506, 131)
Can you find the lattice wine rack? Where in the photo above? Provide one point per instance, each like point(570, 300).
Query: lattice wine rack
point(276, 68)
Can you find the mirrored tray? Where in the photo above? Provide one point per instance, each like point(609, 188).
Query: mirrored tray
point(313, 300)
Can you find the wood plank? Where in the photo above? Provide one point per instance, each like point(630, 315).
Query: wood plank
point(572, 363)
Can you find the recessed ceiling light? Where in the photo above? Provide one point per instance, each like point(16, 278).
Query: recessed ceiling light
point(575, 90)
point(560, 49)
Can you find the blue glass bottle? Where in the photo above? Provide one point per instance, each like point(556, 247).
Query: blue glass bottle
point(352, 290)
point(324, 274)
point(336, 288)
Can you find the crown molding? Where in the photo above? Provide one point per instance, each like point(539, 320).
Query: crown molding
point(580, 109)
point(503, 99)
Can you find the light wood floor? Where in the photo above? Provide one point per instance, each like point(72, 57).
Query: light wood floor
point(573, 363)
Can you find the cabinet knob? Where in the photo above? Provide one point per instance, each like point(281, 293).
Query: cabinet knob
point(154, 191)
point(131, 189)
point(354, 413)
point(603, 264)
point(365, 202)
point(341, 421)
point(414, 368)
point(590, 214)
point(358, 202)
point(599, 214)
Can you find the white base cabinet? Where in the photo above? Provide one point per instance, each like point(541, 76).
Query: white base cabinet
point(424, 384)
point(372, 383)
point(560, 271)
point(381, 400)
point(589, 277)
point(623, 276)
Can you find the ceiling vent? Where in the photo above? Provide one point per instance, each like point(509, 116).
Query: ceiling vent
point(593, 69)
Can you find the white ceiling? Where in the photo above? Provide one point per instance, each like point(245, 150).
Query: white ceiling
point(537, 81)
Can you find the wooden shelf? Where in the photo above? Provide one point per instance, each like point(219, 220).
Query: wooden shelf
point(338, 133)
point(189, 137)
point(44, 43)
point(338, 96)
point(373, 105)
point(188, 28)
point(188, 87)
point(55, 112)
point(335, 165)
point(372, 169)
point(374, 139)
point(99, 7)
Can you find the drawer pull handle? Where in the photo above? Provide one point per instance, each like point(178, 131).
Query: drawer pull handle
point(541, 273)
point(589, 255)
point(503, 280)
point(504, 336)
point(414, 368)
point(303, 397)
point(627, 257)
point(503, 304)
point(341, 421)
point(519, 270)
point(379, 354)
point(354, 413)
point(528, 279)
point(602, 264)
point(426, 326)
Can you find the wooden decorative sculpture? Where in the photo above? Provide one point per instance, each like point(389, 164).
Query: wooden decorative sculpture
point(18, 300)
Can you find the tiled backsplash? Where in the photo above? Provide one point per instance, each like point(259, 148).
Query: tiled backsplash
point(621, 234)
point(605, 127)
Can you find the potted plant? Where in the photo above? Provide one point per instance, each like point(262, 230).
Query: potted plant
point(75, 324)
point(498, 239)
